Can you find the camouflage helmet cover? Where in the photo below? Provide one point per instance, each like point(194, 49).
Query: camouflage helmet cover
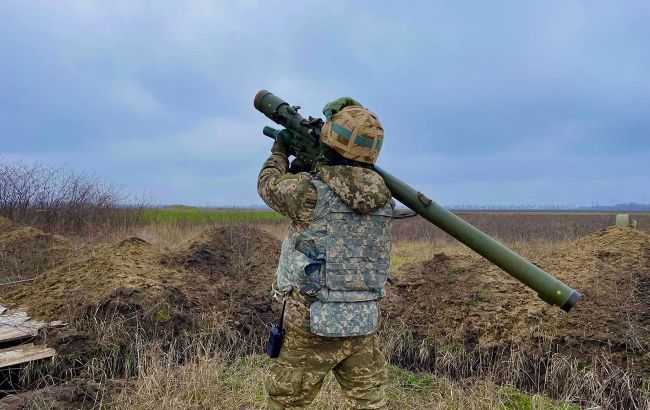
point(352, 131)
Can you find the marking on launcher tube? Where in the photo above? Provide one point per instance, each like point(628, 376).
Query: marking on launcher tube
point(559, 292)
point(423, 199)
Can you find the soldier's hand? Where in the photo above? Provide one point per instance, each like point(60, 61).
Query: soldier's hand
point(298, 165)
point(279, 146)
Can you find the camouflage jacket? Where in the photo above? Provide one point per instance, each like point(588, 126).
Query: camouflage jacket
point(294, 196)
point(291, 195)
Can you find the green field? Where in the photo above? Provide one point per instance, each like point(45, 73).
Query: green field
point(186, 214)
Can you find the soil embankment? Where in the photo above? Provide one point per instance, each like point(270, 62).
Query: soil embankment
point(226, 270)
point(27, 252)
point(466, 300)
point(459, 298)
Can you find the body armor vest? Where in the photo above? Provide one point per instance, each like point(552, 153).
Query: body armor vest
point(342, 259)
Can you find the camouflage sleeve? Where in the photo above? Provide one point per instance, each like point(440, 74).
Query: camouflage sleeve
point(292, 195)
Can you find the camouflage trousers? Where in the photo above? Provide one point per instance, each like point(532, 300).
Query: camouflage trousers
point(297, 375)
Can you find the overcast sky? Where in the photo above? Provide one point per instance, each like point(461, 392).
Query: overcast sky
point(538, 102)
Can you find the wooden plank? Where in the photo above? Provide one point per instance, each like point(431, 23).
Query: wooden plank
point(18, 356)
point(15, 325)
point(17, 347)
point(13, 319)
point(12, 334)
point(29, 324)
point(9, 332)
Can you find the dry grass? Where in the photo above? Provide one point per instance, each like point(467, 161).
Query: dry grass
point(522, 229)
point(530, 227)
point(533, 369)
point(218, 383)
point(169, 234)
point(212, 366)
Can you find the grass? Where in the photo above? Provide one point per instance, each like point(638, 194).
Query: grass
point(193, 215)
point(454, 378)
point(218, 383)
point(516, 400)
point(511, 227)
point(406, 252)
point(214, 368)
point(453, 274)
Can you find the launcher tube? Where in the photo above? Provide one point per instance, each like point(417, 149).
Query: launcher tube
point(548, 288)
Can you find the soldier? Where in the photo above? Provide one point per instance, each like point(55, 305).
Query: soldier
point(333, 264)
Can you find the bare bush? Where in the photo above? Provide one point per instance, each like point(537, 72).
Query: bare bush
point(59, 200)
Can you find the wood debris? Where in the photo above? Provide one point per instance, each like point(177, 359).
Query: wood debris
point(16, 329)
point(24, 353)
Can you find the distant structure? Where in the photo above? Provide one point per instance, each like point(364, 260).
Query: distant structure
point(625, 221)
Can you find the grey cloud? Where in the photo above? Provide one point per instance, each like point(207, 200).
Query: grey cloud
point(502, 95)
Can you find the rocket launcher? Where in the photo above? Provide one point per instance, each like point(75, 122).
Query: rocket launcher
point(302, 138)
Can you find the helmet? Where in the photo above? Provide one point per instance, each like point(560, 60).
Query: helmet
point(355, 133)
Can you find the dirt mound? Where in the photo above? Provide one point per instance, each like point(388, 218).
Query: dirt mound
point(227, 270)
point(456, 298)
point(611, 268)
point(231, 250)
point(27, 252)
point(128, 270)
point(231, 268)
point(470, 301)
